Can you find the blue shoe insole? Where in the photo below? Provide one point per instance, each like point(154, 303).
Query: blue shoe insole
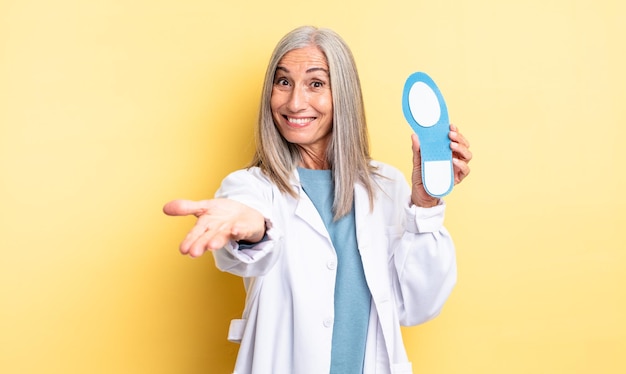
point(426, 112)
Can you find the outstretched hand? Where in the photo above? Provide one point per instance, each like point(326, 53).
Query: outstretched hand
point(461, 156)
point(219, 221)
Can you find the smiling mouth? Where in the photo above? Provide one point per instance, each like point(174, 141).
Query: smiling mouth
point(300, 121)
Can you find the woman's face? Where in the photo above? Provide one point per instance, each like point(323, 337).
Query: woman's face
point(301, 102)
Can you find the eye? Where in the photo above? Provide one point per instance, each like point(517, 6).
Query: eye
point(281, 82)
point(317, 84)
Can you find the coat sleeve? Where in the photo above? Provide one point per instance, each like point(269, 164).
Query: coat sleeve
point(422, 259)
point(249, 187)
point(425, 264)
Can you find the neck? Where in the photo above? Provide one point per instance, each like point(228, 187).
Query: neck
point(313, 160)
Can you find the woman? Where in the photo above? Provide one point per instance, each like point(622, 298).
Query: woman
point(336, 251)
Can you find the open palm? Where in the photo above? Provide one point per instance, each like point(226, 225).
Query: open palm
point(219, 221)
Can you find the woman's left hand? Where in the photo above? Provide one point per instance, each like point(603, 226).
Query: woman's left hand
point(461, 156)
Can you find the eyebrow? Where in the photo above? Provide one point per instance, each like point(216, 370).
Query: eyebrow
point(308, 70)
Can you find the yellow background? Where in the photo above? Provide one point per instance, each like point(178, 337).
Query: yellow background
point(108, 109)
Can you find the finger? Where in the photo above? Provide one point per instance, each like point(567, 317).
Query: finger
point(203, 224)
point(181, 207)
point(415, 146)
point(211, 240)
point(456, 136)
point(461, 152)
point(461, 170)
point(197, 247)
point(415, 141)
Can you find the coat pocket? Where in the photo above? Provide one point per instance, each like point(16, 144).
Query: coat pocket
point(235, 331)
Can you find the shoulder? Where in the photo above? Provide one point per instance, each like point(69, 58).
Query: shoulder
point(249, 186)
point(391, 181)
point(251, 173)
point(386, 171)
point(251, 180)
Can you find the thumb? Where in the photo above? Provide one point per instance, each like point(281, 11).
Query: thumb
point(182, 207)
point(415, 146)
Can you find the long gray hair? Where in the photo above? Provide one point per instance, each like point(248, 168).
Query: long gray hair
point(348, 151)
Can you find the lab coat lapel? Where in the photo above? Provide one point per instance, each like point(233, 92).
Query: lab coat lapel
point(306, 211)
point(371, 232)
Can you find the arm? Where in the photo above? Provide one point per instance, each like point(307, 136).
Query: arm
point(425, 263)
point(219, 221)
point(241, 211)
point(424, 258)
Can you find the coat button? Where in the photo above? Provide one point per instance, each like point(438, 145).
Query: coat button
point(328, 322)
point(332, 264)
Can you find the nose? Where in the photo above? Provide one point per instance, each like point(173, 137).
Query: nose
point(297, 99)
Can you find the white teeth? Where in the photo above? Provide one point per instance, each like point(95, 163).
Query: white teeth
point(299, 121)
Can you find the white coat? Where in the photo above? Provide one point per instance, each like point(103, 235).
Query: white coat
point(286, 328)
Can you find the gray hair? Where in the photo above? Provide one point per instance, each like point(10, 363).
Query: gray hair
point(348, 151)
